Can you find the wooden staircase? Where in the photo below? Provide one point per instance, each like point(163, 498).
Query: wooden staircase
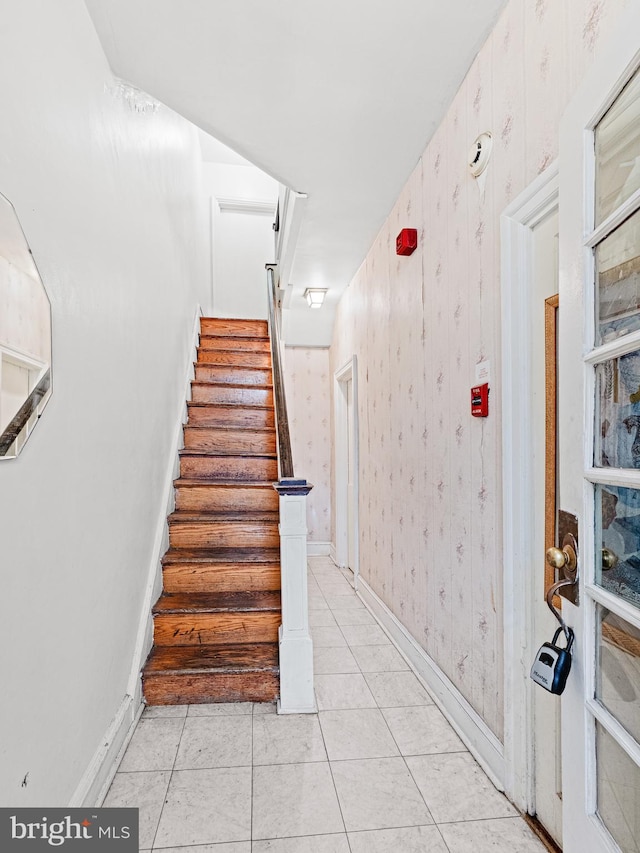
point(216, 622)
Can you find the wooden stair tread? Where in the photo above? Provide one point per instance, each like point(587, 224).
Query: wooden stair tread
point(242, 516)
point(193, 451)
point(210, 659)
point(218, 602)
point(197, 404)
point(228, 428)
point(221, 555)
point(229, 366)
point(239, 338)
point(185, 482)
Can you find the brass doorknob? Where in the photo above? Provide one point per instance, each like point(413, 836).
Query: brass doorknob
point(562, 558)
point(609, 559)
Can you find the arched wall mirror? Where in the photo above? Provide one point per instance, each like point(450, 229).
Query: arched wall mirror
point(25, 337)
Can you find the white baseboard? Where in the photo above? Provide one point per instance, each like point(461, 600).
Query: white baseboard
point(102, 768)
point(318, 549)
point(469, 725)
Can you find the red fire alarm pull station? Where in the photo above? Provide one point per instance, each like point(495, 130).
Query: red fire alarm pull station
point(480, 401)
point(407, 241)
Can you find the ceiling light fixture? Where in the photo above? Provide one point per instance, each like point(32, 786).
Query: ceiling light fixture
point(314, 296)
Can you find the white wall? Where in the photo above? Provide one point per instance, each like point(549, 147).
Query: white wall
point(108, 188)
point(309, 410)
point(242, 242)
point(430, 479)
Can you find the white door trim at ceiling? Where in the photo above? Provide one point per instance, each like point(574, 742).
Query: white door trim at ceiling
point(516, 231)
point(348, 372)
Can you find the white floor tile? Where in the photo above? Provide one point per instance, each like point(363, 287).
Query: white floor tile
point(321, 619)
point(317, 602)
point(154, 745)
point(294, 800)
point(309, 844)
point(206, 807)
point(341, 691)
point(326, 637)
point(336, 587)
point(334, 659)
point(378, 794)
point(397, 689)
point(498, 836)
point(357, 734)
point(364, 635)
point(411, 839)
point(287, 739)
point(354, 616)
point(422, 730)
point(455, 788)
point(384, 658)
point(264, 708)
point(344, 601)
point(215, 742)
point(143, 791)
point(230, 847)
point(221, 709)
point(154, 711)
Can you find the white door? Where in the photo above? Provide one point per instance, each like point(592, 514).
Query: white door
point(599, 445)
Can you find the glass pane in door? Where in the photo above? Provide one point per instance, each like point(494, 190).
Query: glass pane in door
point(618, 151)
point(617, 427)
point(618, 281)
point(618, 792)
point(618, 671)
point(618, 529)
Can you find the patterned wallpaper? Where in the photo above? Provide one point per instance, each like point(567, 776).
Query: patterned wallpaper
point(430, 479)
point(309, 410)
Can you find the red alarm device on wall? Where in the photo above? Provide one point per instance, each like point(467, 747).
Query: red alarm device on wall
point(407, 241)
point(480, 401)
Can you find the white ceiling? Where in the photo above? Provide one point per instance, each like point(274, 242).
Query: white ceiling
point(336, 99)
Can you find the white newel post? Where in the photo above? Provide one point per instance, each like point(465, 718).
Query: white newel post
point(296, 647)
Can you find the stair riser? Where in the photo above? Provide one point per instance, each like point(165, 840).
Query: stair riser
point(250, 376)
point(230, 394)
point(202, 534)
point(231, 467)
point(208, 688)
point(215, 416)
point(216, 628)
point(194, 577)
point(226, 343)
point(222, 499)
point(244, 359)
point(234, 328)
point(229, 441)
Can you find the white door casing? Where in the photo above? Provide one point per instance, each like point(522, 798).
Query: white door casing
point(346, 457)
point(583, 830)
point(521, 572)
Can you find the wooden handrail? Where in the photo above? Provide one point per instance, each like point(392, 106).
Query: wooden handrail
point(285, 457)
point(19, 420)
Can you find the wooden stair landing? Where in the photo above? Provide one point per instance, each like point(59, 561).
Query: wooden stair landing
point(216, 622)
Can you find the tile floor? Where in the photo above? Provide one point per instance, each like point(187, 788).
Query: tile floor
point(377, 770)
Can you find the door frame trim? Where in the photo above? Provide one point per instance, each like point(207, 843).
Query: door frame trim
point(516, 226)
point(348, 372)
